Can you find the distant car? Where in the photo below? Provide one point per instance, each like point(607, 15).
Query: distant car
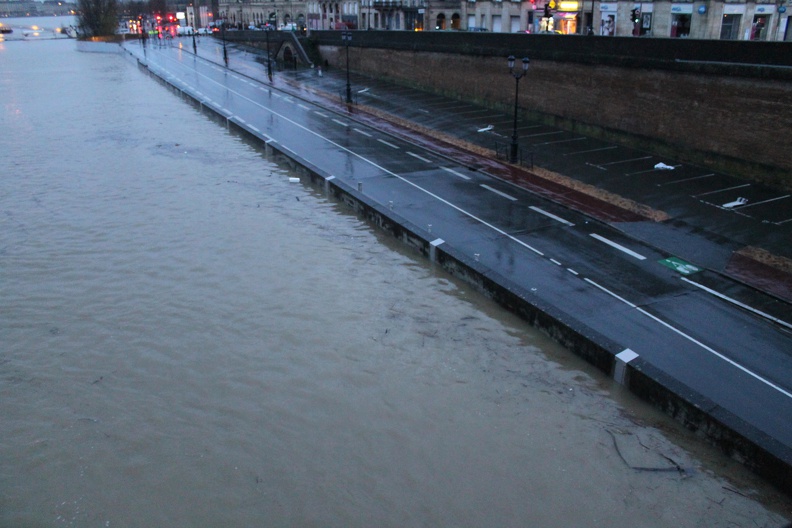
point(204, 31)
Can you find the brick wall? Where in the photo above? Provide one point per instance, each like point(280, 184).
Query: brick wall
point(734, 117)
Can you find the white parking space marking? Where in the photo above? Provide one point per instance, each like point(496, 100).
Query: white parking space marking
point(723, 190)
point(765, 201)
point(613, 244)
point(590, 150)
point(455, 173)
point(561, 141)
point(496, 191)
point(550, 215)
point(683, 180)
point(416, 156)
point(623, 161)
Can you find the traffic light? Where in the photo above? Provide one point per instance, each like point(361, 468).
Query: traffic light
point(636, 16)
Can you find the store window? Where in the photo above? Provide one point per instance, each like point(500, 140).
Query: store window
point(759, 27)
point(680, 25)
point(730, 27)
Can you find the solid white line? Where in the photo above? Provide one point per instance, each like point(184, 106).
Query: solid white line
point(765, 201)
point(418, 157)
point(624, 161)
point(362, 132)
point(687, 179)
point(590, 150)
point(617, 246)
point(391, 145)
point(693, 340)
point(622, 299)
point(718, 354)
point(496, 191)
point(723, 190)
point(550, 215)
point(737, 303)
point(455, 173)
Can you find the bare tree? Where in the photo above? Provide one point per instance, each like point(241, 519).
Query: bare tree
point(98, 17)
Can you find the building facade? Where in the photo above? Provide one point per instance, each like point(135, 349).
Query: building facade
point(701, 19)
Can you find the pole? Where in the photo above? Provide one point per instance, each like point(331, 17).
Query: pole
point(347, 36)
point(515, 147)
point(225, 52)
point(269, 59)
point(195, 47)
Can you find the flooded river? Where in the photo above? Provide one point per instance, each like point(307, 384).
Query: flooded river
point(189, 339)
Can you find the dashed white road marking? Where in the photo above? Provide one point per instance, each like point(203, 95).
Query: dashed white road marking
point(613, 244)
point(391, 145)
point(551, 215)
point(496, 191)
point(455, 173)
point(416, 156)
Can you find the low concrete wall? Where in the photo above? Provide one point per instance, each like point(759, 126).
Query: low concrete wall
point(766, 458)
point(723, 115)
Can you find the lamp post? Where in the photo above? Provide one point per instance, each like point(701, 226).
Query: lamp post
point(225, 52)
point(346, 36)
point(195, 47)
point(517, 76)
point(269, 59)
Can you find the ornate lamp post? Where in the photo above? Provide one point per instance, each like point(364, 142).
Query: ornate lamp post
point(347, 38)
point(225, 52)
point(517, 76)
point(269, 59)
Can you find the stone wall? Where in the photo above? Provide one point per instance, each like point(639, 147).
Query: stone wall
point(733, 118)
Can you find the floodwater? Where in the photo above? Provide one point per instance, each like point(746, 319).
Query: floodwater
point(189, 339)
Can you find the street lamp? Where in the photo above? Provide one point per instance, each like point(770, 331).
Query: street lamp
point(517, 76)
point(346, 36)
point(225, 52)
point(195, 47)
point(269, 59)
